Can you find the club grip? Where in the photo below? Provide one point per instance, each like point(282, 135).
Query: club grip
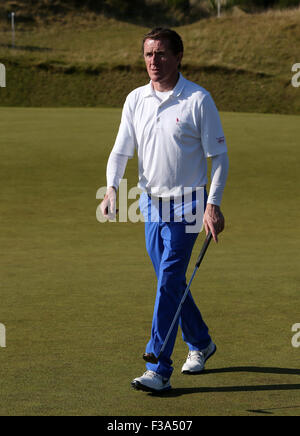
point(204, 248)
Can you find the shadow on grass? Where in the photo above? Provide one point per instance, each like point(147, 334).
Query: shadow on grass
point(262, 370)
point(269, 411)
point(26, 47)
point(251, 388)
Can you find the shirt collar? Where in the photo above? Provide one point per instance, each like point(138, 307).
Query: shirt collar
point(179, 86)
point(149, 91)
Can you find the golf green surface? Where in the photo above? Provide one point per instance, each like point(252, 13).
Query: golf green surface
point(77, 295)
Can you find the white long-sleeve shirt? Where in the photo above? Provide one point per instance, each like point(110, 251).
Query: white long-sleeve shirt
point(173, 135)
point(117, 164)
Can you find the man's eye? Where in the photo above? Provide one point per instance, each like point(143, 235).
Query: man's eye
point(159, 54)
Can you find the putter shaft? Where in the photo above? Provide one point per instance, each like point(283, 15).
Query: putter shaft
point(150, 357)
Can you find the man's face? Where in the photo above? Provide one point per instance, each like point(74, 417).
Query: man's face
point(162, 65)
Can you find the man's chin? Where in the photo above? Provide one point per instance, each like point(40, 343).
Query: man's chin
point(155, 77)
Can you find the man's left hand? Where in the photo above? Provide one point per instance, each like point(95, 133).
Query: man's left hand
point(213, 220)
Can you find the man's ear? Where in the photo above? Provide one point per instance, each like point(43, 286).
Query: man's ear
point(179, 58)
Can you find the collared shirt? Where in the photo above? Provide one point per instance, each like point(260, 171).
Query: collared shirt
point(172, 138)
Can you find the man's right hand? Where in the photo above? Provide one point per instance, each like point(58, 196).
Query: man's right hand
point(108, 205)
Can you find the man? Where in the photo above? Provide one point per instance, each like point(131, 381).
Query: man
point(174, 126)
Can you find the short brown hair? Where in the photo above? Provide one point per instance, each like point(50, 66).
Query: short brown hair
point(175, 41)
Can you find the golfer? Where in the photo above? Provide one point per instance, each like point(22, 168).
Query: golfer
point(174, 127)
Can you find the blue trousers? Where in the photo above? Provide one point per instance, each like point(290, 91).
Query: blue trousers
point(170, 247)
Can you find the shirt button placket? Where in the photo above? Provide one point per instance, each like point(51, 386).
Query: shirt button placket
point(158, 117)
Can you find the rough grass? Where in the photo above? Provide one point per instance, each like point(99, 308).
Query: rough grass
point(258, 42)
point(245, 61)
point(265, 43)
point(77, 295)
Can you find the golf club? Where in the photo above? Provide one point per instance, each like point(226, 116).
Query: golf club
point(150, 357)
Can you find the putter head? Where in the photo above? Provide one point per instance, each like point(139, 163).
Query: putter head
point(150, 358)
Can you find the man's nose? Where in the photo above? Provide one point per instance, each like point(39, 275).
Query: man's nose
point(155, 58)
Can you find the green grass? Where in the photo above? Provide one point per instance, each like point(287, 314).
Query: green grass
point(265, 43)
point(77, 295)
point(89, 60)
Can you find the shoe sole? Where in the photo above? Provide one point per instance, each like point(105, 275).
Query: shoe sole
point(200, 372)
point(140, 387)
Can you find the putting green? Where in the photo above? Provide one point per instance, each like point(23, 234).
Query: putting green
point(77, 295)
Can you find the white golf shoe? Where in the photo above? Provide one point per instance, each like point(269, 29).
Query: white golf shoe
point(196, 360)
point(151, 382)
